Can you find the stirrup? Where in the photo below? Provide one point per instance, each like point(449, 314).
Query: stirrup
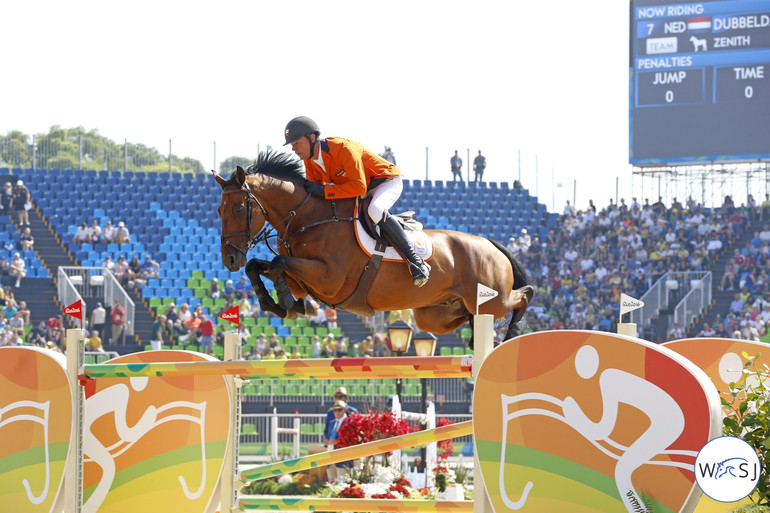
point(420, 273)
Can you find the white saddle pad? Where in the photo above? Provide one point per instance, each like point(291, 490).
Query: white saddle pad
point(420, 242)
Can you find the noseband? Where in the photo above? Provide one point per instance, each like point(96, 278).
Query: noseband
point(247, 233)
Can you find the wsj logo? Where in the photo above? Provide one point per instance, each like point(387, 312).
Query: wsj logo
point(727, 469)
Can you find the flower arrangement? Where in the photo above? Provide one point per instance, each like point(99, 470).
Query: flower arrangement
point(384, 483)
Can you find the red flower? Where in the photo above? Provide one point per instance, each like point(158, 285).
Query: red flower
point(387, 495)
point(445, 447)
point(396, 487)
point(359, 429)
point(352, 492)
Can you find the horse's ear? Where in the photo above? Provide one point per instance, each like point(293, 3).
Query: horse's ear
point(240, 176)
point(221, 181)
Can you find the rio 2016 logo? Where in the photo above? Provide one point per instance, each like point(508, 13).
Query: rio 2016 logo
point(727, 469)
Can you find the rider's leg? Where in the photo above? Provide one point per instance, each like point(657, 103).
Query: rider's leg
point(384, 197)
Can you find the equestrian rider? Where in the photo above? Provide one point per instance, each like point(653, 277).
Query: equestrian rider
point(341, 168)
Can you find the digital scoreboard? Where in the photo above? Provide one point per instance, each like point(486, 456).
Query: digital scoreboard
point(699, 81)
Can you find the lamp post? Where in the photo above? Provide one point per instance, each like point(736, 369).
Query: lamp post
point(424, 345)
point(399, 338)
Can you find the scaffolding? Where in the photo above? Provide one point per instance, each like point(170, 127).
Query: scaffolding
point(707, 184)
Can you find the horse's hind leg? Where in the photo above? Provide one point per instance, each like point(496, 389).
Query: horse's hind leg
point(266, 302)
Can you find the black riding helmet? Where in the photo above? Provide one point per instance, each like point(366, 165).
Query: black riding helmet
point(301, 126)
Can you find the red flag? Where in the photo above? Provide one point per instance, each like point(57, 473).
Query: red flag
point(233, 315)
point(75, 310)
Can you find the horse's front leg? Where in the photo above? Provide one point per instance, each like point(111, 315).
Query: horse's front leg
point(254, 268)
point(300, 270)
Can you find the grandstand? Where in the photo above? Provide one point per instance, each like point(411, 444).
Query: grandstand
point(172, 217)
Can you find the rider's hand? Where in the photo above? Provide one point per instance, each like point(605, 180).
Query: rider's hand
point(315, 189)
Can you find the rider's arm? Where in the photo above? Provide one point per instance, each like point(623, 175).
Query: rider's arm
point(353, 182)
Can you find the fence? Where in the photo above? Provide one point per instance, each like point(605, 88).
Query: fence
point(94, 282)
point(368, 393)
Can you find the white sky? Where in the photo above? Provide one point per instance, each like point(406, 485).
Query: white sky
point(543, 78)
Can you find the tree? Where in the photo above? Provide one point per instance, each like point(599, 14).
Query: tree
point(229, 164)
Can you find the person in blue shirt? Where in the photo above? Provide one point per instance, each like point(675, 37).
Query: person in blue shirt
point(341, 394)
point(339, 411)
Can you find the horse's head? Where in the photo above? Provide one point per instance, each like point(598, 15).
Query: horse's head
point(242, 218)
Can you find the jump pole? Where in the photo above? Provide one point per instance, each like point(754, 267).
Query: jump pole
point(230, 484)
point(323, 368)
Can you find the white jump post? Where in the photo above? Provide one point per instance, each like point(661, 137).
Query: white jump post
point(483, 343)
point(73, 473)
point(275, 431)
point(231, 483)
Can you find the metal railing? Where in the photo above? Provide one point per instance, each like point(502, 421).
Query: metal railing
point(94, 282)
point(695, 300)
point(690, 291)
point(363, 394)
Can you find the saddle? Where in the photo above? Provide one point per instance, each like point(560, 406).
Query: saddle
point(374, 244)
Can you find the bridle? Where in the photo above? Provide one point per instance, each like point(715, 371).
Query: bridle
point(259, 236)
point(265, 233)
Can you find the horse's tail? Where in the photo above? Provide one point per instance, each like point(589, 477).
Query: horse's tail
point(520, 280)
point(520, 277)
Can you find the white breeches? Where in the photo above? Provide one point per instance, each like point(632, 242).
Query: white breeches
point(384, 196)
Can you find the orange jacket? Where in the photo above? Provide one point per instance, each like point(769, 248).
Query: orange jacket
point(349, 168)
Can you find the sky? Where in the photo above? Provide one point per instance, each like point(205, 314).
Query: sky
point(541, 88)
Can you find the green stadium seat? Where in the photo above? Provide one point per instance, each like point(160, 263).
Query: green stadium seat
point(445, 351)
point(248, 429)
point(198, 275)
point(458, 351)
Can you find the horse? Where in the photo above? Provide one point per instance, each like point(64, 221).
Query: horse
point(318, 255)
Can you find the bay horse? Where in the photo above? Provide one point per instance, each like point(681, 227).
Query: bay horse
point(318, 255)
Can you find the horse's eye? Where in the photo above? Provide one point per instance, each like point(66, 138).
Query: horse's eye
point(239, 209)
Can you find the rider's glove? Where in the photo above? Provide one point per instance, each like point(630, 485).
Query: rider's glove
point(315, 189)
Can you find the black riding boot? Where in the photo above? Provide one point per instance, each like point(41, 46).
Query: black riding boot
point(394, 232)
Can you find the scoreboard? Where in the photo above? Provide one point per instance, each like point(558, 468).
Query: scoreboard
point(699, 81)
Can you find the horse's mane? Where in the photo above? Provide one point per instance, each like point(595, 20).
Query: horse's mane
point(283, 166)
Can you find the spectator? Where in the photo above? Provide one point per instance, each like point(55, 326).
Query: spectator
point(95, 232)
point(150, 268)
point(109, 233)
point(118, 320)
point(82, 234)
point(457, 167)
point(173, 324)
point(98, 317)
point(736, 306)
point(22, 203)
point(331, 318)
point(94, 342)
point(16, 324)
point(134, 270)
point(5, 267)
point(55, 329)
point(156, 332)
point(229, 288)
point(25, 313)
point(389, 155)
point(36, 336)
point(244, 306)
point(122, 235)
point(26, 240)
point(245, 287)
point(675, 333)
point(108, 264)
point(341, 346)
point(479, 164)
point(260, 347)
point(6, 199)
point(316, 346)
point(524, 241)
point(121, 270)
point(17, 269)
point(206, 329)
point(214, 291)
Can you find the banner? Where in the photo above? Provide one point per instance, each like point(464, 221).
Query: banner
point(75, 310)
point(233, 315)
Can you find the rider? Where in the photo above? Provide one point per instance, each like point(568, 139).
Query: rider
point(341, 168)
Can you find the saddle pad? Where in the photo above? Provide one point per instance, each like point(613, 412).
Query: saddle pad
point(420, 242)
